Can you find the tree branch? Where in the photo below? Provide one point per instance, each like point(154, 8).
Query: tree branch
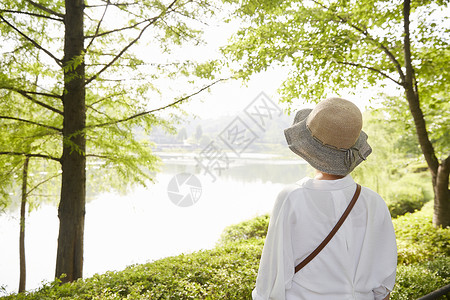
point(42, 94)
point(178, 32)
point(98, 25)
point(115, 4)
point(46, 9)
point(157, 109)
point(364, 32)
point(368, 68)
point(97, 156)
point(100, 112)
point(31, 14)
point(389, 54)
point(120, 53)
point(446, 163)
point(25, 94)
point(105, 98)
point(151, 22)
point(32, 41)
point(31, 122)
point(117, 30)
point(31, 155)
point(41, 183)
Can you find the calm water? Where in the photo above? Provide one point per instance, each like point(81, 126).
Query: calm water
point(145, 225)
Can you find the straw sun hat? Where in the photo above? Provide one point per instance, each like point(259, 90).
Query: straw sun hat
point(329, 137)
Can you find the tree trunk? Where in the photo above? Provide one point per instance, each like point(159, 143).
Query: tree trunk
point(71, 211)
point(23, 271)
point(441, 215)
point(439, 172)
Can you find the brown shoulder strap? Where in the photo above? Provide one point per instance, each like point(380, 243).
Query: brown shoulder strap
point(333, 231)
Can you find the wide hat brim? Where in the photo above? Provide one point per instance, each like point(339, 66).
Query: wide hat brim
point(322, 157)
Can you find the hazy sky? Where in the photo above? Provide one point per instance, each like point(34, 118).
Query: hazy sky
point(225, 98)
point(231, 97)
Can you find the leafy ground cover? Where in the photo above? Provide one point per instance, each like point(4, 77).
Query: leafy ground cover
point(229, 270)
point(423, 255)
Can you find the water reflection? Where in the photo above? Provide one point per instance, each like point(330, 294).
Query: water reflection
point(144, 224)
point(248, 171)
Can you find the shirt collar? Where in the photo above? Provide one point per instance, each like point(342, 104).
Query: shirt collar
point(311, 183)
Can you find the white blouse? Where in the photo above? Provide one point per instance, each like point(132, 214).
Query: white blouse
point(358, 263)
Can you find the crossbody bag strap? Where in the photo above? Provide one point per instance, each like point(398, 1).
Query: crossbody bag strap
point(332, 232)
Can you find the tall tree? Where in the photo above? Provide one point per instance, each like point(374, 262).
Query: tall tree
point(94, 90)
point(22, 279)
point(22, 143)
point(335, 44)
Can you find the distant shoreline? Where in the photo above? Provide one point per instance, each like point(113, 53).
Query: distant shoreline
point(266, 158)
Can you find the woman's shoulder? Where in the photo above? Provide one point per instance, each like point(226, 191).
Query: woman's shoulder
point(290, 189)
point(283, 203)
point(375, 203)
point(372, 195)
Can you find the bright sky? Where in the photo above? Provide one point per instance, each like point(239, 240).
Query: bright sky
point(231, 97)
point(225, 98)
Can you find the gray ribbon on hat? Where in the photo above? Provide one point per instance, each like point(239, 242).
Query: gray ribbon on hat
point(350, 156)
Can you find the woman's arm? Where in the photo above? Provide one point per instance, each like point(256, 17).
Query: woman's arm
point(276, 266)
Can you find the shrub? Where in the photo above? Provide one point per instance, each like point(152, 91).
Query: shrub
point(419, 279)
point(254, 228)
point(418, 240)
point(227, 272)
point(402, 203)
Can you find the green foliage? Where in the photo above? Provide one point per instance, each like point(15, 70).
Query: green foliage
point(419, 279)
point(27, 131)
point(397, 115)
point(121, 86)
point(395, 169)
point(400, 204)
point(206, 70)
point(254, 228)
point(418, 240)
point(332, 45)
point(229, 270)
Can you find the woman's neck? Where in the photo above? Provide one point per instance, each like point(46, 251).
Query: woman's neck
point(325, 176)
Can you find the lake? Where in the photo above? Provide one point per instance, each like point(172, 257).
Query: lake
point(147, 223)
